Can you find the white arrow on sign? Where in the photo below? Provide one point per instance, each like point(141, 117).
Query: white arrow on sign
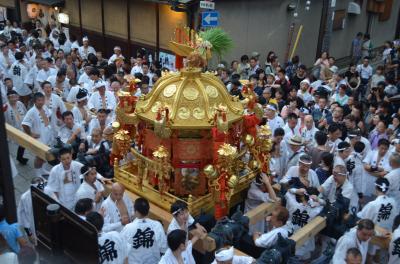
point(210, 18)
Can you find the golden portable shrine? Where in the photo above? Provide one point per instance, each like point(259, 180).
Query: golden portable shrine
point(193, 141)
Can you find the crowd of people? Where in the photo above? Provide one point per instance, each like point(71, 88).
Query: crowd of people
point(336, 140)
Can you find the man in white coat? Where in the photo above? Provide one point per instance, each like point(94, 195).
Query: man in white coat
point(85, 49)
point(64, 178)
point(394, 177)
point(338, 183)
point(260, 192)
point(376, 164)
point(25, 210)
point(90, 188)
point(357, 237)
point(302, 172)
point(36, 124)
point(303, 207)
point(145, 236)
point(273, 120)
point(112, 248)
point(117, 209)
point(277, 220)
point(101, 98)
point(18, 72)
point(394, 246)
point(381, 211)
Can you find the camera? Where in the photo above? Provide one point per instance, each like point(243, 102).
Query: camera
point(374, 168)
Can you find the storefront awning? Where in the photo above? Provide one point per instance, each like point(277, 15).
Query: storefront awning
point(49, 2)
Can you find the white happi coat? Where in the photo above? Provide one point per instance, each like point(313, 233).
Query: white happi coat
point(66, 190)
point(65, 87)
point(33, 120)
point(329, 192)
point(275, 123)
point(78, 117)
point(43, 75)
point(88, 191)
point(95, 101)
point(25, 212)
point(146, 239)
point(65, 132)
point(300, 215)
point(54, 104)
point(293, 172)
point(347, 241)
point(394, 247)
point(112, 248)
point(175, 225)
point(368, 182)
point(356, 175)
point(239, 260)
point(308, 134)
point(11, 114)
point(18, 73)
point(255, 197)
point(94, 123)
point(84, 52)
point(270, 238)
point(394, 184)
point(30, 78)
point(112, 217)
point(187, 256)
point(381, 211)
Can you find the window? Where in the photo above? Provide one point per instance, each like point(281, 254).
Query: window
point(339, 19)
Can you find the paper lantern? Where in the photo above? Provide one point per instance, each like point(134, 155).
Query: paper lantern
point(63, 18)
point(32, 10)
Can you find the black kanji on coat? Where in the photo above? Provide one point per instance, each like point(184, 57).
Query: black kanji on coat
point(396, 248)
point(143, 238)
point(300, 218)
point(384, 212)
point(107, 251)
point(17, 71)
point(350, 165)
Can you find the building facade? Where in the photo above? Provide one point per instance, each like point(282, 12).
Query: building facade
point(255, 25)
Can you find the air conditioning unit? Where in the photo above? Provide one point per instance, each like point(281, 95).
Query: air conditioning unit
point(354, 8)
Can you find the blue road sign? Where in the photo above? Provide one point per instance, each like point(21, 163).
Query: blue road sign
point(209, 19)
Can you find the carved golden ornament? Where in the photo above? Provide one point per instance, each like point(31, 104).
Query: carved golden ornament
point(210, 172)
point(198, 113)
point(264, 131)
point(233, 181)
point(161, 152)
point(190, 93)
point(221, 108)
point(122, 135)
point(183, 113)
point(249, 140)
point(254, 165)
point(244, 82)
point(227, 150)
point(169, 90)
point(211, 91)
point(156, 106)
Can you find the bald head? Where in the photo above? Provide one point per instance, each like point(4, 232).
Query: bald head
point(308, 121)
point(395, 160)
point(117, 191)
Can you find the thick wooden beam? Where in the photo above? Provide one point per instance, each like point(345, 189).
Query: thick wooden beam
point(33, 145)
point(309, 230)
point(260, 212)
